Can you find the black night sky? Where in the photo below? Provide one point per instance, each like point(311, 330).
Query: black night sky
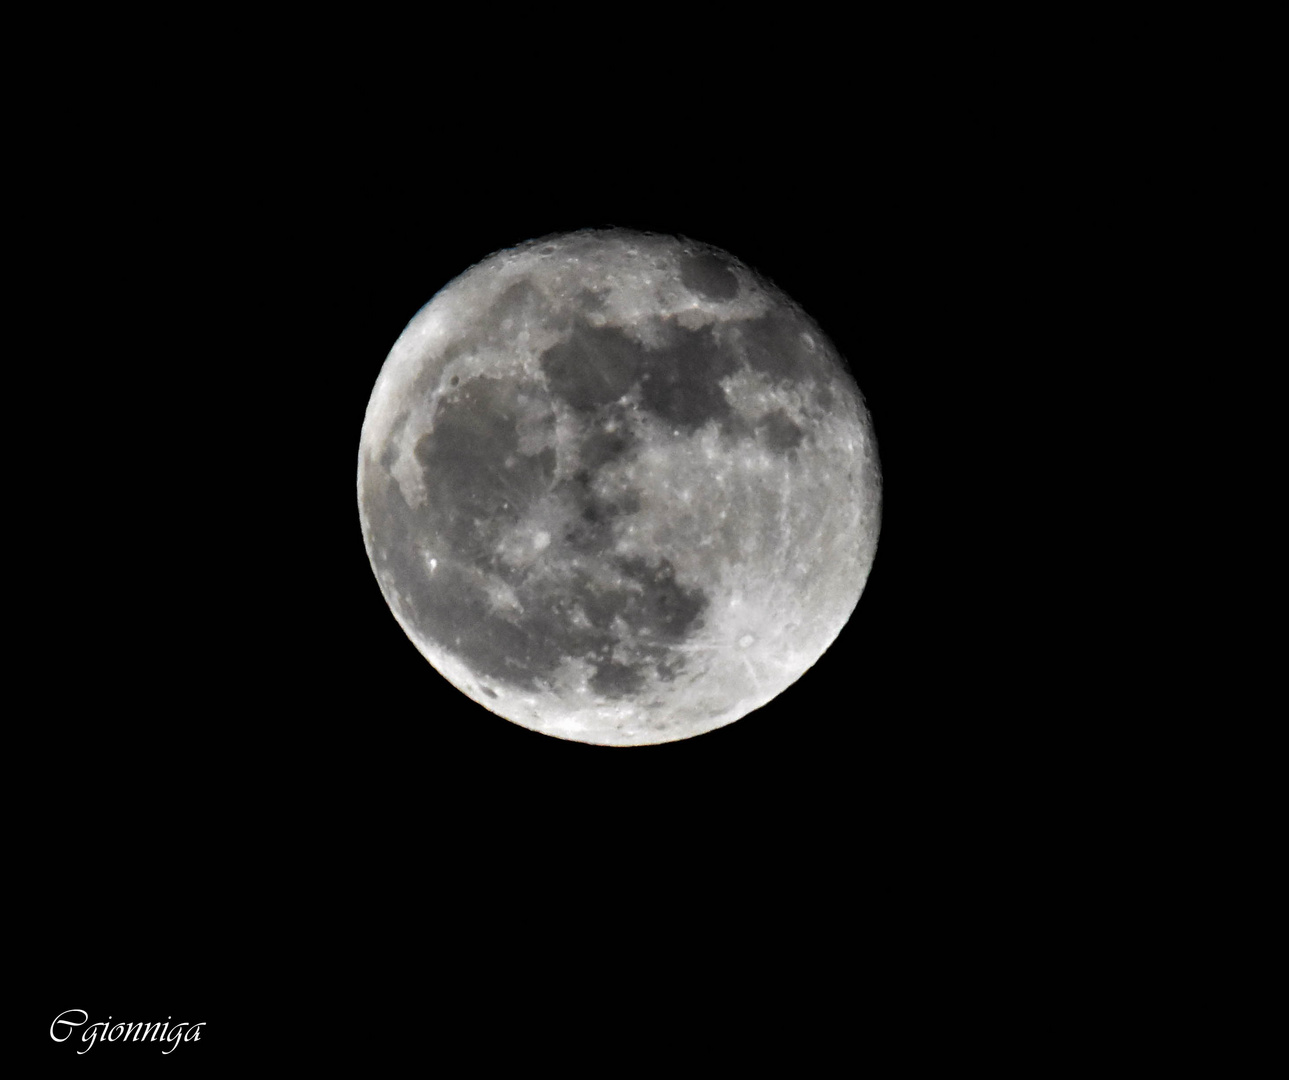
point(253, 789)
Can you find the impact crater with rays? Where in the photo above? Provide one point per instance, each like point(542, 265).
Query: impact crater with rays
point(618, 488)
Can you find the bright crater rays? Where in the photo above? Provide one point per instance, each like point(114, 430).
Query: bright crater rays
point(617, 488)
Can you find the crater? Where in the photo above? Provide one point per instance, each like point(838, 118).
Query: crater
point(709, 276)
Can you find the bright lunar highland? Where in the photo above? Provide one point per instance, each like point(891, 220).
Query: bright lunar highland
point(617, 488)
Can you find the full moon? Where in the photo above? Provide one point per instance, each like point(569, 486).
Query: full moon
point(618, 488)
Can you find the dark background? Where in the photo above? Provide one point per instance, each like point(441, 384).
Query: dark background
point(255, 804)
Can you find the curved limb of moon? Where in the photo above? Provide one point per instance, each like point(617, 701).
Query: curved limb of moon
point(618, 488)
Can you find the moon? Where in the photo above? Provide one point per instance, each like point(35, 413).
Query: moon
point(616, 487)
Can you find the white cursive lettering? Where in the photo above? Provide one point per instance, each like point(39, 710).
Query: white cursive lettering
point(133, 1031)
point(90, 1034)
point(70, 1023)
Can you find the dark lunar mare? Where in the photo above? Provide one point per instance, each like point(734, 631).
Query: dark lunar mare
point(773, 345)
point(594, 366)
point(778, 432)
point(479, 485)
point(709, 275)
point(678, 381)
point(681, 380)
point(478, 482)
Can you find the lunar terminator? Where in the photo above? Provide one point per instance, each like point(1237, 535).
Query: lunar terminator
point(618, 488)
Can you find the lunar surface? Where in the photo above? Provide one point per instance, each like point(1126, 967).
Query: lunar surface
point(618, 488)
